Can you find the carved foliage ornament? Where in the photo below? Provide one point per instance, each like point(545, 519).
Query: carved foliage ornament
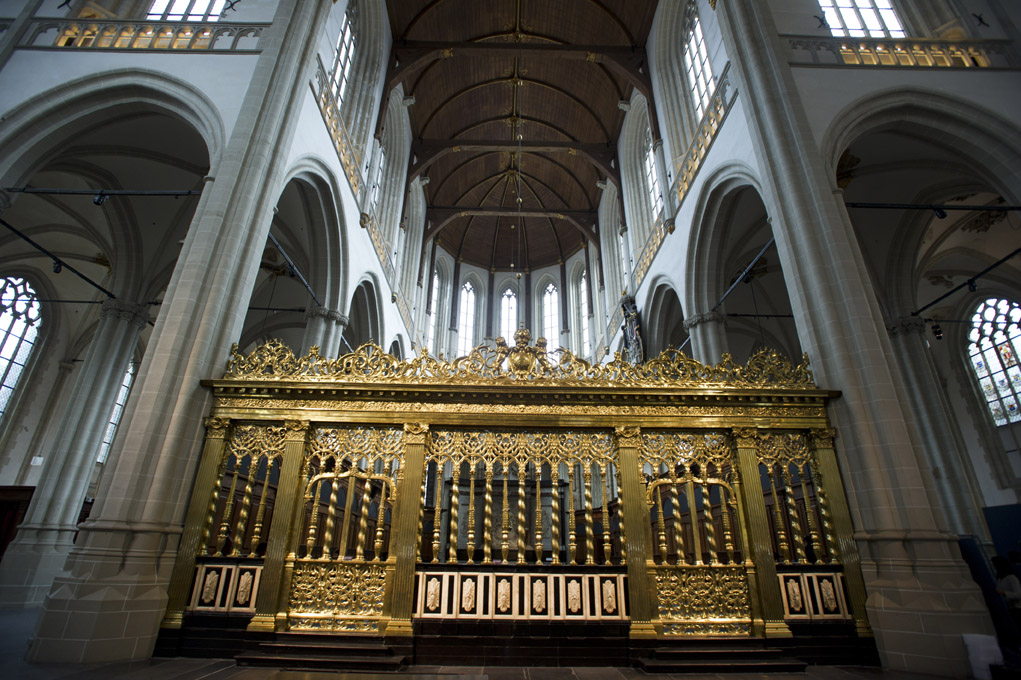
point(502, 365)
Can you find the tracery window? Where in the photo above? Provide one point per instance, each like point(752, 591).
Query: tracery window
point(586, 345)
point(185, 10)
point(995, 345)
point(551, 318)
point(862, 18)
point(20, 318)
point(696, 66)
point(466, 322)
point(116, 413)
point(508, 315)
point(340, 73)
point(430, 332)
point(652, 178)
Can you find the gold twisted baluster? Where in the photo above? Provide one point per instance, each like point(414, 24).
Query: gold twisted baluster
point(781, 534)
point(210, 518)
point(607, 547)
point(696, 534)
point(554, 473)
point(260, 513)
point(487, 522)
point(363, 524)
point(522, 511)
point(331, 513)
point(504, 515)
point(827, 519)
point(728, 532)
point(377, 545)
point(313, 523)
point(590, 538)
point(572, 536)
point(797, 531)
point(229, 508)
point(246, 506)
point(621, 519)
point(710, 524)
point(538, 513)
point(349, 508)
point(813, 526)
point(471, 511)
point(455, 504)
point(437, 510)
point(675, 502)
point(660, 523)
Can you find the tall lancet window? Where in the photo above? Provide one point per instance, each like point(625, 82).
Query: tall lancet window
point(862, 18)
point(377, 186)
point(652, 177)
point(19, 326)
point(995, 346)
point(551, 318)
point(430, 331)
point(343, 57)
point(696, 65)
point(116, 413)
point(466, 322)
point(508, 315)
point(586, 345)
point(185, 10)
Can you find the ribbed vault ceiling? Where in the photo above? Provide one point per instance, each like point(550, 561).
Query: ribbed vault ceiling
point(516, 95)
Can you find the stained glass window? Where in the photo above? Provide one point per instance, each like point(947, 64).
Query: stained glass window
point(862, 18)
point(185, 10)
point(696, 66)
point(19, 326)
point(508, 315)
point(551, 318)
point(466, 323)
point(995, 345)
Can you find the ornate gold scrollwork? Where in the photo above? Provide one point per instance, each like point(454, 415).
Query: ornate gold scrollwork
point(336, 596)
point(692, 598)
point(216, 428)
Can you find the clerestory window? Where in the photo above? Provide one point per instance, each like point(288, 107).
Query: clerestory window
point(652, 177)
point(430, 333)
point(551, 318)
point(862, 18)
point(185, 10)
point(116, 413)
point(995, 345)
point(466, 322)
point(508, 315)
point(586, 345)
point(343, 57)
point(20, 318)
point(697, 67)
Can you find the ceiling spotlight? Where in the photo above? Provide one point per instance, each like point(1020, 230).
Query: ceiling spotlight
point(972, 286)
point(939, 212)
point(937, 331)
point(57, 266)
point(99, 199)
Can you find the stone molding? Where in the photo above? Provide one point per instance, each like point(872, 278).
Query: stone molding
point(907, 325)
point(705, 317)
point(328, 314)
point(132, 312)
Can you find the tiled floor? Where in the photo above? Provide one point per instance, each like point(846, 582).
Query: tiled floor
point(16, 627)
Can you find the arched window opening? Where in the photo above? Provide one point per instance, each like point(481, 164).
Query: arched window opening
point(862, 18)
point(20, 317)
point(378, 184)
point(696, 66)
point(466, 323)
point(430, 331)
point(586, 345)
point(652, 178)
point(185, 10)
point(995, 345)
point(116, 413)
point(508, 315)
point(340, 73)
point(551, 318)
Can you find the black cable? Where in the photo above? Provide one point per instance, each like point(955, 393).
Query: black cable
point(969, 282)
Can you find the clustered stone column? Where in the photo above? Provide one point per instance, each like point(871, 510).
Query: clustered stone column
point(46, 536)
point(323, 329)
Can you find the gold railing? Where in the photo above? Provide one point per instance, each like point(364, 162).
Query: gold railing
point(353, 495)
point(144, 35)
point(901, 52)
point(369, 222)
point(349, 154)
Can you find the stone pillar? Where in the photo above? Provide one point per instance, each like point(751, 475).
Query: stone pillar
point(638, 538)
point(920, 594)
point(323, 327)
point(46, 536)
point(944, 456)
point(626, 274)
point(109, 602)
point(708, 332)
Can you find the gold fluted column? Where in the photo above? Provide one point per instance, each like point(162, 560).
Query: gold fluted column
point(404, 535)
point(761, 580)
point(832, 490)
point(198, 519)
point(644, 610)
point(271, 601)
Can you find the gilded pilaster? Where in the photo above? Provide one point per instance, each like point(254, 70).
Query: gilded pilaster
point(644, 613)
point(825, 457)
point(197, 519)
point(271, 600)
point(404, 536)
point(767, 608)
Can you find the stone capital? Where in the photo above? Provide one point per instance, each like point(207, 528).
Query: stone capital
point(907, 325)
point(704, 317)
point(132, 312)
point(328, 314)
